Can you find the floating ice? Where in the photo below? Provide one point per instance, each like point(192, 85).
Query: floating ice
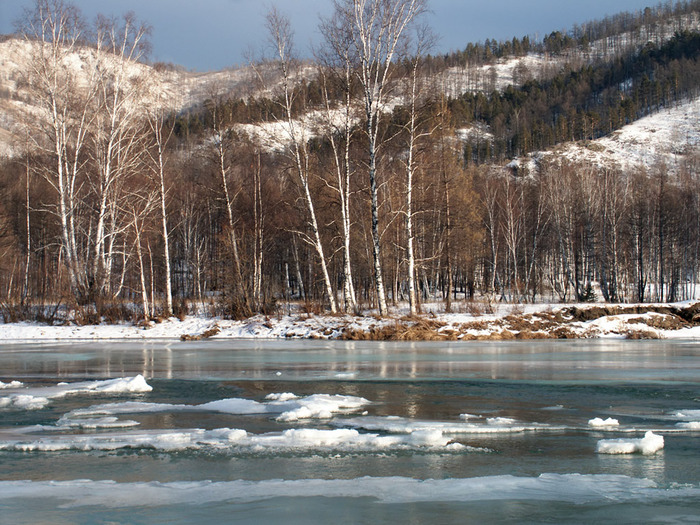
point(23, 401)
point(95, 423)
point(395, 424)
point(38, 397)
point(688, 414)
point(287, 406)
point(598, 422)
point(238, 441)
point(567, 488)
point(345, 375)
point(649, 444)
point(285, 396)
point(11, 384)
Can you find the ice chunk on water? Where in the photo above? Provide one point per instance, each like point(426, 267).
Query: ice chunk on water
point(649, 444)
point(397, 424)
point(95, 423)
point(285, 396)
point(239, 441)
point(568, 488)
point(689, 425)
point(287, 407)
point(11, 384)
point(34, 398)
point(24, 402)
point(322, 406)
point(598, 422)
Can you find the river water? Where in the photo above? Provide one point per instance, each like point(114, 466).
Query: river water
point(350, 432)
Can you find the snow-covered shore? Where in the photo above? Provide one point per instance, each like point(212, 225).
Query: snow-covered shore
point(661, 321)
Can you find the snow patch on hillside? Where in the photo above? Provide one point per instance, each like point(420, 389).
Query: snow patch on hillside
point(669, 138)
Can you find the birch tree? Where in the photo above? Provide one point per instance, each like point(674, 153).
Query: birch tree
point(377, 29)
point(223, 138)
point(117, 131)
point(161, 132)
point(55, 32)
point(282, 39)
point(338, 60)
point(415, 134)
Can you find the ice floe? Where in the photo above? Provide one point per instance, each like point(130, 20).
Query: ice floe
point(11, 384)
point(649, 444)
point(687, 419)
point(288, 407)
point(395, 424)
point(238, 441)
point(35, 398)
point(567, 488)
point(603, 423)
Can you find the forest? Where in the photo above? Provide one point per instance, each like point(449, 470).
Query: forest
point(343, 184)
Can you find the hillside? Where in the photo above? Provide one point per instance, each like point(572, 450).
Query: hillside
point(669, 137)
point(176, 88)
point(287, 185)
point(485, 72)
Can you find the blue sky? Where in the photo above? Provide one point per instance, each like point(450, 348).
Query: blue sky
point(205, 35)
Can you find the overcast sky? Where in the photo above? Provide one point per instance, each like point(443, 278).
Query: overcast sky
point(206, 35)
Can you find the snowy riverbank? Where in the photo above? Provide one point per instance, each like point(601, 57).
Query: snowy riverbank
point(659, 321)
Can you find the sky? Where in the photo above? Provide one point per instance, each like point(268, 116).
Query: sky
point(205, 35)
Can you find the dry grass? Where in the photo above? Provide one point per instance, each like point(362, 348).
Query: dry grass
point(641, 334)
point(198, 337)
point(661, 322)
point(401, 330)
point(547, 324)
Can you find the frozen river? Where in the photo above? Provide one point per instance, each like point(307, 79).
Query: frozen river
point(359, 432)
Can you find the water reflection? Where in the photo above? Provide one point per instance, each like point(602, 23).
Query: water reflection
point(299, 360)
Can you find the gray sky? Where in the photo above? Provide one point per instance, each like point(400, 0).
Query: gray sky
point(212, 34)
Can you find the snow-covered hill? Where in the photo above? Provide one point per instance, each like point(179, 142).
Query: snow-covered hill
point(669, 137)
point(176, 88)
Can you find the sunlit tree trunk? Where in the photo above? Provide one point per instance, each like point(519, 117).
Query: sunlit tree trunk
point(281, 36)
point(377, 28)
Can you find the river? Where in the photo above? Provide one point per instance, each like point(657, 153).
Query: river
point(350, 432)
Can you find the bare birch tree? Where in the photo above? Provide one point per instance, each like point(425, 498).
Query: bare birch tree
point(117, 131)
point(415, 134)
point(55, 31)
point(281, 37)
point(339, 60)
point(161, 132)
point(377, 29)
point(223, 138)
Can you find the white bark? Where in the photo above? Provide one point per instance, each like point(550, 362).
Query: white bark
point(280, 33)
point(161, 137)
point(117, 129)
point(55, 32)
point(377, 29)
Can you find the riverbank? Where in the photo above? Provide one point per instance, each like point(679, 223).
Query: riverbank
point(504, 322)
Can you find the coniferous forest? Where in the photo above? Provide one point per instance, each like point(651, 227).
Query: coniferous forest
point(375, 174)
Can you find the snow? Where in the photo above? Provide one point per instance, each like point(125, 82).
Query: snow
point(649, 444)
point(666, 137)
point(36, 398)
point(464, 325)
point(569, 488)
